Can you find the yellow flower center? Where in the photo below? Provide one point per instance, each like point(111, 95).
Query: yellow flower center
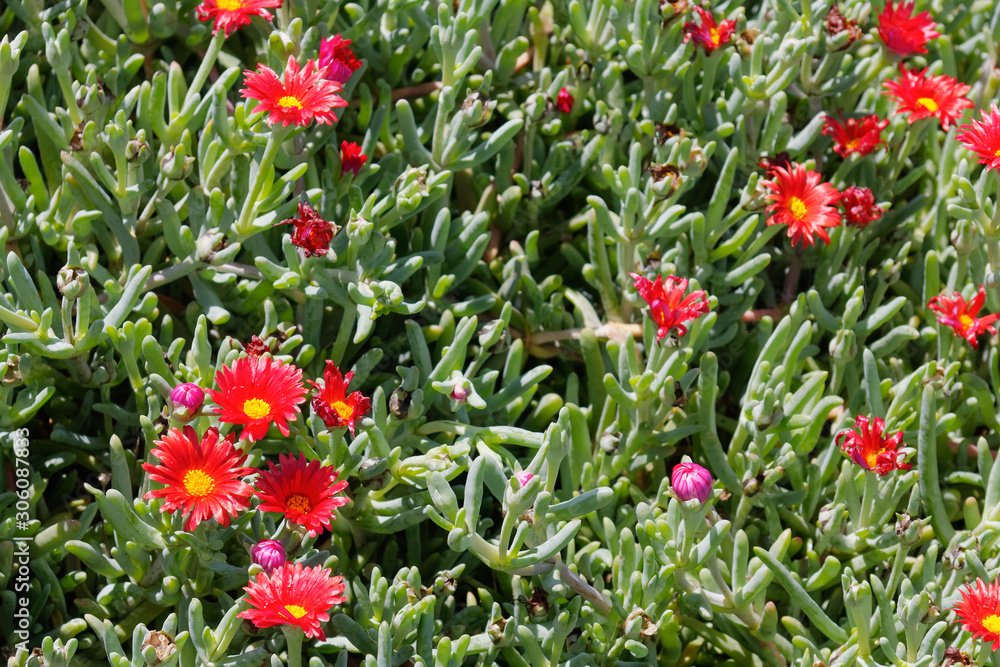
point(714, 34)
point(853, 143)
point(992, 623)
point(871, 458)
point(229, 5)
point(797, 208)
point(966, 322)
point(256, 408)
point(289, 101)
point(198, 483)
point(997, 154)
point(342, 409)
point(927, 103)
point(299, 503)
point(295, 610)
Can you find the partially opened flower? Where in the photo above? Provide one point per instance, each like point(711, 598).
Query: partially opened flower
point(983, 137)
point(293, 595)
point(201, 476)
point(269, 554)
point(564, 101)
point(861, 135)
point(304, 491)
point(922, 96)
point(870, 449)
point(232, 14)
point(256, 392)
point(979, 611)
point(351, 158)
point(859, 206)
point(304, 96)
point(962, 317)
point(332, 404)
point(800, 201)
point(668, 306)
point(708, 34)
point(903, 32)
point(337, 59)
point(312, 233)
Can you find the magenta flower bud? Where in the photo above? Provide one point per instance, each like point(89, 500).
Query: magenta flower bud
point(187, 395)
point(459, 393)
point(523, 478)
point(269, 554)
point(690, 480)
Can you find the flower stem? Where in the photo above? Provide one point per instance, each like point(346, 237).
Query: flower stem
point(278, 136)
point(293, 638)
point(207, 63)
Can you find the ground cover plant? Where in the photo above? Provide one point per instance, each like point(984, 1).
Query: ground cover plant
point(399, 332)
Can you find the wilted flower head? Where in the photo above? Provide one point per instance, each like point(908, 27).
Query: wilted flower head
point(351, 158)
point(564, 101)
point(852, 135)
point(769, 163)
point(256, 392)
point(708, 34)
point(232, 14)
point(837, 23)
point(690, 480)
point(312, 233)
point(332, 404)
point(293, 595)
point(983, 137)
point(979, 611)
point(337, 58)
point(924, 96)
point(868, 447)
point(668, 306)
point(962, 317)
point(304, 491)
point(188, 395)
point(800, 201)
point(859, 206)
point(303, 97)
point(903, 32)
point(269, 554)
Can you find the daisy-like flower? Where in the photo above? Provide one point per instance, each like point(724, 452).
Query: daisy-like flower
point(293, 595)
point(859, 207)
point(803, 203)
point(351, 158)
point(312, 233)
point(668, 306)
point(962, 317)
point(708, 34)
point(232, 14)
point(305, 492)
point(564, 101)
point(979, 611)
point(337, 58)
point(201, 477)
point(304, 96)
point(924, 96)
point(850, 135)
point(332, 404)
point(256, 392)
point(903, 32)
point(870, 449)
point(983, 137)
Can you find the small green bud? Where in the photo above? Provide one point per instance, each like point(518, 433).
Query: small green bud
point(176, 165)
point(72, 282)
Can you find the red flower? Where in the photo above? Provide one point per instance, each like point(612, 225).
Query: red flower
point(564, 101)
point(954, 312)
point(708, 34)
point(305, 492)
point(903, 32)
point(304, 96)
point(257, 391)
point(232, 14)
point(351, 158)
point(293, 595)
point(851, 135)
point(202, 478)
point(668, 306)
point(312, 233)
point(859, 207)
point(870, 450)
point(984, 138)
point(333, 405)
point(336, 54)
point(979, 611)
point(802, 203)
point(924, 96)
point(256, 346)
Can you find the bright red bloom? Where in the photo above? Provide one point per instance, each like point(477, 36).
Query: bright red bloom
point(257, 391)
point(852, 135)
point(954, 312)
point(924, 96)
point(293, 595)
point(668, 306)
point(202, 478)
point(803, 203)
point(351, 158)
point(332, 404)
point(859, 207)
point(304, 96)
point(870, 449)
point(312, 233)
point(336, 54)
point(564, 101)
point(984, 138)
point(305, 492)
point(979, 611)
point(903, 32)
point(232, 14)
point(708, 34)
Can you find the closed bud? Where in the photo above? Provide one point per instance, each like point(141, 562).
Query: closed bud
point(176, 165)
point(523, 478)
point(399, 403)
point(609, 443)
point(186, 399)
point(72, 282)
point(137, 150)
point(690, 480)
point(269, 554)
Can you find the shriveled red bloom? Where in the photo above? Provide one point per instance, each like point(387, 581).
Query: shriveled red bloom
point(564, 101)
point(304, 96)
point(294, 595)
point(859, 207)
point(979, 611)
point(201, 477)
point(983, 137)
point(870, 449)
point(855, 135)
point(962, 317)
point(782, 159)
point(924, 96)
point(837, 23)
point(903, 32)
point(331, 402)
point(351, 158)
point(668, 306)
point(256, 392)
point(232, 14)
point(337, 58)
point(256, 346)
point(803, 203)
point(312, 233)
point(305, 492)
point(708, 34)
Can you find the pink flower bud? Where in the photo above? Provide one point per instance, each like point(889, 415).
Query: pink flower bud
point(459, 393)
point(690, 480)
point(523, 478)
point(187, 395)
point(269, 554)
